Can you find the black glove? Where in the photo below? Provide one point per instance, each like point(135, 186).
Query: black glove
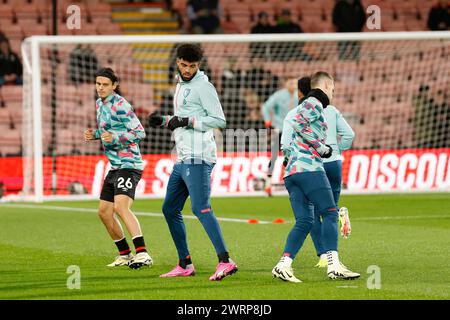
point(327, 153)
point(286, 155)
point(155, 120)
point(177, 122)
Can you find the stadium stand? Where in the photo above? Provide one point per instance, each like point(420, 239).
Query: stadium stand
point(23, 18)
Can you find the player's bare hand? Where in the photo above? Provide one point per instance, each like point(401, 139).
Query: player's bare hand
point(107, 137)
point(89, 134)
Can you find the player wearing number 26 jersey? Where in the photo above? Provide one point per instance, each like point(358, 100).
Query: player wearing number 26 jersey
point(120, 132)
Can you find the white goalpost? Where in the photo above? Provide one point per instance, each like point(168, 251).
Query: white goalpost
point(392, 87)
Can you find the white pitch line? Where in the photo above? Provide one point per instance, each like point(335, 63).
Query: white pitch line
point(443, 216)
point(138, 213)
point(156, 214)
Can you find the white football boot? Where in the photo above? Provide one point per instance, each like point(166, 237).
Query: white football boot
point(283, 270)
point(336, 270)
point(141, 259)
point(122, 260)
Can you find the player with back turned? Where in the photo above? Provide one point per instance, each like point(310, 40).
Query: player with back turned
point(306, 181)
point(340, 137)
point(197, 112)
point(120, 132)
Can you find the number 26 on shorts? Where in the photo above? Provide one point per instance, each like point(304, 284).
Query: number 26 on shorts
point(122, 183)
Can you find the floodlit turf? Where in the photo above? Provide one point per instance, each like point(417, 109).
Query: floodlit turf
point(406, 236)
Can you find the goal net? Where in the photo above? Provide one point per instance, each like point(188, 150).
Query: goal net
point(392, 88)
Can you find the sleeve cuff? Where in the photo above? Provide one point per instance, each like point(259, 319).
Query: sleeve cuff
point(191, 123)
point(166, 120)
point(97, 134)
point(322, 149)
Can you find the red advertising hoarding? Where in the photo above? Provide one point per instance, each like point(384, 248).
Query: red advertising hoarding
point(363, 170)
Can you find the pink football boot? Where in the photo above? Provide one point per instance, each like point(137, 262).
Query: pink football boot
point(224, 269)
point(180, 272)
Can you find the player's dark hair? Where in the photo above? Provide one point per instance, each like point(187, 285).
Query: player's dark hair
point(109, 73)
point(304, 85)
point(318, 77)
point(190, 52)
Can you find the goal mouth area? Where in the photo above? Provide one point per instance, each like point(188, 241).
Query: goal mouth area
point(377, 93)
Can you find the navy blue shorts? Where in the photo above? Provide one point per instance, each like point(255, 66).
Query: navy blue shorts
point(309, 187)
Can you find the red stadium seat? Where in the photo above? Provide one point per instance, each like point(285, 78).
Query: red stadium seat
point(292, 5)
point(236, 6)
point(408, 9)
point(32, 29)
point(311, 8)
point(259, 6)
point(63, 30)
point(6, 12)
point(5, 116)
point(11, 142)
point(311, 24)
point(69, 112)
point(276, 67)
point(15, 111)
point(17, 3)
point(86, 29)
point(12, 31)
point(108, 29)
point(416, 25)
point(28, 11)
point(11, 93)
point(64, 141)
point(393, 25)
point(69, 92)
point(347, 72)
point(232, 27)
point(99, 10)
point(46, 10)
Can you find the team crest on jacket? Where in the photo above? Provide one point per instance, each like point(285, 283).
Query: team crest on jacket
point(186, 92)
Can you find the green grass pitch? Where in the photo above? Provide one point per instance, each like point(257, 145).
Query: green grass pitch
point(406, 236)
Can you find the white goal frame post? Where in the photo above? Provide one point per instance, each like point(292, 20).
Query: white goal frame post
point(31, 58)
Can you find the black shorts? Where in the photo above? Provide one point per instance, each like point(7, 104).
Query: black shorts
point(122, 181)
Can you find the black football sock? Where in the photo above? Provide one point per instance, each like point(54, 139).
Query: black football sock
point(184, 262)
point(122, 246)
point(224, 257)
point(139, 244)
